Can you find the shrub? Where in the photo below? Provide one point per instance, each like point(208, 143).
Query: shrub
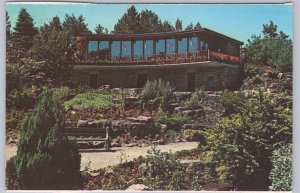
point(257, 79)
point(281, 173)
point(90, 99)
point(196, 99)
point(230, 101)
point(62, 92)
point(157, 90)
point(45, 159)
point(252, 70)
point(243, 142)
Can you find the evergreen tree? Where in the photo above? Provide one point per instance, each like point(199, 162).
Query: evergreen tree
point(167, 27)
point(75, 26)
point(149, 22)
point(101, 30)
point(8, 31)
point(53, 24)
point(45, 159)
point(198, 26)
point(273, 49)
point(178, 25)
point(129, 22)
point(189, 27)
point(24, 31)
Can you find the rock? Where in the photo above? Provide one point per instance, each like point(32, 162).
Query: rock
point(138, 187)
point(83, 145)
point(116, 144)
point(180, 109)
point(197, 112)
point(131, 144)
point(140, 119)
point(82, 123)
point(159, 142)
point(98, 144)
point(280, 75)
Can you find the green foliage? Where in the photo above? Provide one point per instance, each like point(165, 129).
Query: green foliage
point(174, 121)
point(101, 30)
point(281, 173)
point(55, 48)
point(230, 101)
point(252, 70)
point(24, 31)
point(196, 100)
point(8, 30)
point(62, 92)
point(242, 143)
point(90, 99)
point(75, 26)
point(45, 159)
point(129, 23)
point(157, 90)
point(178, 25)
point(272, 49)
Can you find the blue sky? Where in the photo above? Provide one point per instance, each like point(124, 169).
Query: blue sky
point(237, 21)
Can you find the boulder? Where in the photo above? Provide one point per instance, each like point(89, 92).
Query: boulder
point(135, 187)
point(82, 123)
point(140, 119)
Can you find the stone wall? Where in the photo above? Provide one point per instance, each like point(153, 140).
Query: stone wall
point(215, 76)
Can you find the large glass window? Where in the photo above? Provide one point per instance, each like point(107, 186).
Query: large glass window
point(182, 47)
point(160, 47)
point(126, 49)
point(170, 46)
point(104, 49)
point(193, 44)
point(138, 48)
point(148, 47)
point(115, 49)
point(92, 47)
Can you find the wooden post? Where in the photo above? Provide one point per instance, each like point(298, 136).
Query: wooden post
point(154, 49)
point(143, 49)
point(132, 49)
point(107, 138)
point(166, 51)
point(109, 48)
point(176, 49)
point(121, 49)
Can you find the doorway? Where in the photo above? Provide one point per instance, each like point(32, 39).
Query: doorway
point(191, 81)
point(93, 80)
point(141, 80)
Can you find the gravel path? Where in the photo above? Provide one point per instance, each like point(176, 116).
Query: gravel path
point(101, 159)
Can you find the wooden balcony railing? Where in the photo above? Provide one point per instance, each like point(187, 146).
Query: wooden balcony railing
point(160, 59)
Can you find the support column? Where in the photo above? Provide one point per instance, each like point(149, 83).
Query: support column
point(121, 49)
point(176, 49)
point(166, 51)
point(109, 48)
point(198, 44)
point(187, 48)
point(86, 50)
point(132, 49)
point(143, 49)
point(154, 49)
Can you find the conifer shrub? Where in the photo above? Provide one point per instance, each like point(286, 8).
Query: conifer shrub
point(45, 159)
point(157, 90)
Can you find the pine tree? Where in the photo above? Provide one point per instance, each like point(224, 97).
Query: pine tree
point(53, 24)
point(45, 159)
point(167, 27)
point(198, 26)
point(24, 31)
point(75, 26)
point(189, 27)
point(129, 22)
point(149, 22)
point(99, 29)
point(178, 25)
point(8, 31)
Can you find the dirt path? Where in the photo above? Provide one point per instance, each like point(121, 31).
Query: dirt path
point(102, 159)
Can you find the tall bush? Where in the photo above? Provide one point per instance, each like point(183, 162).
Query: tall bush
point(157, 90)
point(45, 159)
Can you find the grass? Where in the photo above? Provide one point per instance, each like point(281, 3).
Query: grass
point(90, 99)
